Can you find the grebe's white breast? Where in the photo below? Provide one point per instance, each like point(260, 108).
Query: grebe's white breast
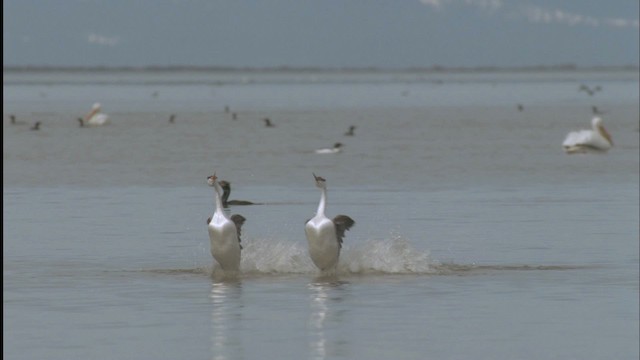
point(324, 235)
point(224, 233)
point(324, 247)
point(225, 246)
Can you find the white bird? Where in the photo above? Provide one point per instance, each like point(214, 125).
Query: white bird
point(224, 232)
point(94, 117)
point(324, 235)
point(337, 147)
point(595, 140)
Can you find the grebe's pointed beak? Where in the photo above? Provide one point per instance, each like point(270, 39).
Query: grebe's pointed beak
point(212, 178)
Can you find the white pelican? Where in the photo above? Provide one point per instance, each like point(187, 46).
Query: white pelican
point(324, 235)
point(595, 140)
point(337, 147)
point(224, 232)
point(94, 117)
point(226, 191)
point(350, 132)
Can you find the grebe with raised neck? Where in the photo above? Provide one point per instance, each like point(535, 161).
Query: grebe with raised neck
point(224, 232)
point(324, 235)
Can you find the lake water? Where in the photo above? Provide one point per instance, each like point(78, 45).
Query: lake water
point(476, 237)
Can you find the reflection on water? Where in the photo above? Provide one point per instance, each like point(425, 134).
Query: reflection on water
point(226, 301)
point(325, 294)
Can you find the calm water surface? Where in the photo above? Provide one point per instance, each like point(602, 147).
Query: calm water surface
point(475, 236)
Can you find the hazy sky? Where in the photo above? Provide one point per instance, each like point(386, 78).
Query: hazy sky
point(330, 33)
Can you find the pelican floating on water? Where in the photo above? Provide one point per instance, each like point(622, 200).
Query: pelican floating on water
point(337, 147)
point(325, 235)
point(94, 117)
point(595, 140)
point(226, 191)
point(224, 232)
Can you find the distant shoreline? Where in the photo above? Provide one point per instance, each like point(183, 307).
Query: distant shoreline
point(293, 69)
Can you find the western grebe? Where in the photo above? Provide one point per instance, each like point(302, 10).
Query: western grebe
point(224, 232)
point(226, 191)
point(324, 235)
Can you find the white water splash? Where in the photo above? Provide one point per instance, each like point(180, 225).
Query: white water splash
point(388, 256)
point(394, 256)
point(269, 256)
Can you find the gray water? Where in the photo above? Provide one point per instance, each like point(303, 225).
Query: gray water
point(476, 237)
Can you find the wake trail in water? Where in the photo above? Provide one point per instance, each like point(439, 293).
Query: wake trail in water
point(394, 256)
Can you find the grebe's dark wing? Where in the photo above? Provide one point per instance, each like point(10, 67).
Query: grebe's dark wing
point(239, 221)
point(342, 223)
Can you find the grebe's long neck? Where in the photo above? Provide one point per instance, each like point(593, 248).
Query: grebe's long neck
point(323, 201)
point(219, 206)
